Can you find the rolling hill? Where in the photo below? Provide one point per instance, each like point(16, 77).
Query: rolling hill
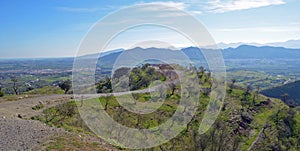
point(247, 121)
point(291, 89)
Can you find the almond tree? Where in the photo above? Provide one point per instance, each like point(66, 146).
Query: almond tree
point(15, 85)
point(65, 85)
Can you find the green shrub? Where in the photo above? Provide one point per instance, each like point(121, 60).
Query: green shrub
point(1, 93)
point(38, 107)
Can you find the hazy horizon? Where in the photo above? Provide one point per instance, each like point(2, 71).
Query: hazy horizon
point(55, 29)
point(220, 46)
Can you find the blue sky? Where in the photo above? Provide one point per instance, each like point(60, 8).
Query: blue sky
point(54, 28)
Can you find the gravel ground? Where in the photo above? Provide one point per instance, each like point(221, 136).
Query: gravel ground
point(23, 107)
point(18, 134)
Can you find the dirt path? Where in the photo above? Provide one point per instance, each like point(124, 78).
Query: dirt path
point(19, 134)
point(16, 133)
point(260, 135)
point(23, 107)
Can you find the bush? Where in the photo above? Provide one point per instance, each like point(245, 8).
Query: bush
point(38, 107)
point(1, 93)
point(66, 85)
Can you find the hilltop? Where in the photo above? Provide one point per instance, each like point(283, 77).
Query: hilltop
point(248, 120)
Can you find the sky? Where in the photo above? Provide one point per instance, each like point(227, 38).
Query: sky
point(55, 28)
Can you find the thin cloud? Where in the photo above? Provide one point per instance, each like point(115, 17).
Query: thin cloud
point(261, 29)
point(79, 10)
point(222, 6)
point(169, 8)
point(178, 5)
point(196, 12)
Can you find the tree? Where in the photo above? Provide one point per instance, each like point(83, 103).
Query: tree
point(286, 99)
point(201, 73)
point(248, 90)
point(15, 85)
point(233, 81)
point(65, 85)
point(255, 96)
point(1, 92)
point(104, 86)
point(236, 143)
point(203, 142)
point(106, 102)
point(173, 88)
point(246, 96)
point(231, 86)
point(201, 70)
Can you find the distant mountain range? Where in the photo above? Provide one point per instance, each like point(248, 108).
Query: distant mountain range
point(275, 60)
point(194, 53)
point(295, 44)
point(262, 52)
point(102, 54)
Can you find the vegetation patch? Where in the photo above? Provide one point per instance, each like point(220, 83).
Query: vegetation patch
point(65, 116)
point(74, 142)
point(38, 107)
point(46, 90)
point(247, 120)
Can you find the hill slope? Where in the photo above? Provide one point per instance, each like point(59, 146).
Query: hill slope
point(291, 89)
point(248, 121)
